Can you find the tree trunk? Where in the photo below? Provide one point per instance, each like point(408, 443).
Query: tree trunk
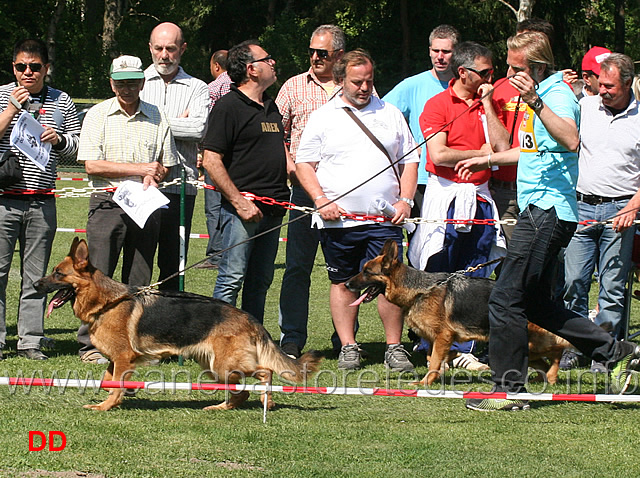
point(525, 10)
point(111, 20)
point(51, 37)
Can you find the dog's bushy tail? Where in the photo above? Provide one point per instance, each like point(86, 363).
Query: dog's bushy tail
point(271, 357)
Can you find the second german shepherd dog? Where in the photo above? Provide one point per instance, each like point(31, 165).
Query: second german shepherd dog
point(443, 308)
point(131, 325)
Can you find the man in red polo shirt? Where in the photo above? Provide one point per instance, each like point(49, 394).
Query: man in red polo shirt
point(459, 125)
point(476, 131)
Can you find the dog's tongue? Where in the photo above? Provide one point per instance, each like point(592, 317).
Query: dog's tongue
point(55, 302)
point(359, 300)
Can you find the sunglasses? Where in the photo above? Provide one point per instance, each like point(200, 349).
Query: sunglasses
point(482, 74)
point(323, 54)
point(22, 67)
point(266, 59)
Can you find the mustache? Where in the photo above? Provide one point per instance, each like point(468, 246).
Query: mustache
point(607, 96)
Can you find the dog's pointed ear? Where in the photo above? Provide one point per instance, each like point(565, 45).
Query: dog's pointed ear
point(389, 254)
point(81, 254)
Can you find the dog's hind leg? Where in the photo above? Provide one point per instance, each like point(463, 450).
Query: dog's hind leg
point(234, 398)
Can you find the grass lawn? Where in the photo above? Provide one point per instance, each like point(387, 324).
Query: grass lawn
point(169, 435)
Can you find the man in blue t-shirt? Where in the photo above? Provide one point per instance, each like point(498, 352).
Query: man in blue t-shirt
point(411, 94)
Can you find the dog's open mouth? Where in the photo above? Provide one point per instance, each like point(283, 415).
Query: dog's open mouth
point(62, 297)
point(369, 294)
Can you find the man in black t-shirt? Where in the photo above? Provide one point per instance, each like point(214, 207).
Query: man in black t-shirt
point(244, 152)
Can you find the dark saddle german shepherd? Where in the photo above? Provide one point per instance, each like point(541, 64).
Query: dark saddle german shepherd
point(443, 308)
point(131, 325)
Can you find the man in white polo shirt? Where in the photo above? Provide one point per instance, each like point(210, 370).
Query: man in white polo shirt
point(335, 155)
point(608, 187)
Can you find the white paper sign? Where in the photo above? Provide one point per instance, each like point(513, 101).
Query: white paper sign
point(137, 203)
point(25, 136)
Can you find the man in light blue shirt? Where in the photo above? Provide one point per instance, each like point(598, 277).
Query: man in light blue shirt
point(411, 94)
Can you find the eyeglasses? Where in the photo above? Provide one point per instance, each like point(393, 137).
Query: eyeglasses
point(266, 59)
point(323, 54)
point(22, 67)
point(482, 74)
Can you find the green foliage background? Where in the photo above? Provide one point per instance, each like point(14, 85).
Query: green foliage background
point(284, 26)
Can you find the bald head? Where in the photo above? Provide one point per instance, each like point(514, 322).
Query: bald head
point(167, 45)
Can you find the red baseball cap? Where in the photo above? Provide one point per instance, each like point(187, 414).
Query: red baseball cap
point(591, 61)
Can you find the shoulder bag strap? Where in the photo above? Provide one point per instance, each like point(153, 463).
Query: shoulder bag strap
point(371, 136)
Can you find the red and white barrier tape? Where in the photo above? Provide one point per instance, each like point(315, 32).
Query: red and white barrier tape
point(377, 392)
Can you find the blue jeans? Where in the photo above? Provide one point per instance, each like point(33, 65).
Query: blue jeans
point(212, 200)
point(610, 252)
point(524, 291)
point(302, 246)
point(251, 263)
point(32, 222)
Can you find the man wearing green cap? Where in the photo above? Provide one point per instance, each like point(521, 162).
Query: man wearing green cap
point(123, 138)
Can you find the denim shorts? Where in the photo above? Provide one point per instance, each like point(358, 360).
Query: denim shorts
point(347, 249)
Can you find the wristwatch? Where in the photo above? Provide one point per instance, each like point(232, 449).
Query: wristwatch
point(537, 105)
point(408, 201)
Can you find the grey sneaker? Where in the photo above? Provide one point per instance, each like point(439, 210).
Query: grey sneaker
point(396, 358)
point(349, 358)
point(495, 404)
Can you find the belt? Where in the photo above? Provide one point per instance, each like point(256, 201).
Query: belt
point(595, 200)
point(510, 185)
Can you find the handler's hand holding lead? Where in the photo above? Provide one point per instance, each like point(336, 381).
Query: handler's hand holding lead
point(403, 211)
point(330, 212)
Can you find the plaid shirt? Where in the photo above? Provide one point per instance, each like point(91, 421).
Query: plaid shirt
point(300, 96)
point(109, 134)
point(218, 88)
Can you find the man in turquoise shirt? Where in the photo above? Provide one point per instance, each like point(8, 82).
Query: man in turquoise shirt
point(547, 177)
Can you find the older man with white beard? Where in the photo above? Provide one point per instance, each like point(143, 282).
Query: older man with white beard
point(184, 100)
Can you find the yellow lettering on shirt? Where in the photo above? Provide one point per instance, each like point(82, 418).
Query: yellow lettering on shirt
point(270, 128)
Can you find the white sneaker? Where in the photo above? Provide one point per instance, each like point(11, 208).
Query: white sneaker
point(470, 362)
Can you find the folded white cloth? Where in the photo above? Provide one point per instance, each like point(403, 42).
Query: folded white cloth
point(440, 192)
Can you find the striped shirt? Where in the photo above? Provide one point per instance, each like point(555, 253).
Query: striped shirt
point(110, 134)
point(300, 96)
point(182, 93)
point(218, 88)
point(58, 112)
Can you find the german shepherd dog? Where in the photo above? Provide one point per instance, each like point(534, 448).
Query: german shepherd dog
point(131, 325)
point(443, 308)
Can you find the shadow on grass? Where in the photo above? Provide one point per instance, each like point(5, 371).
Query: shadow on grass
point(136, 403)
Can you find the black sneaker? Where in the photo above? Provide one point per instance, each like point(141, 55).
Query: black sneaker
point(32, 354)
point(572, 359)
point(291, 349)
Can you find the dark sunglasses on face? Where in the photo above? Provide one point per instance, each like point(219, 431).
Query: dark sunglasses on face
point(22, 67)
point(482, 74)
point(323, 54)
point(266, 59)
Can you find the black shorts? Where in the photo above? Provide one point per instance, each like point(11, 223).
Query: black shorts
point(347, 249)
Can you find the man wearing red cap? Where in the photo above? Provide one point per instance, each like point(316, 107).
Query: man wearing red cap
point(591, 70)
